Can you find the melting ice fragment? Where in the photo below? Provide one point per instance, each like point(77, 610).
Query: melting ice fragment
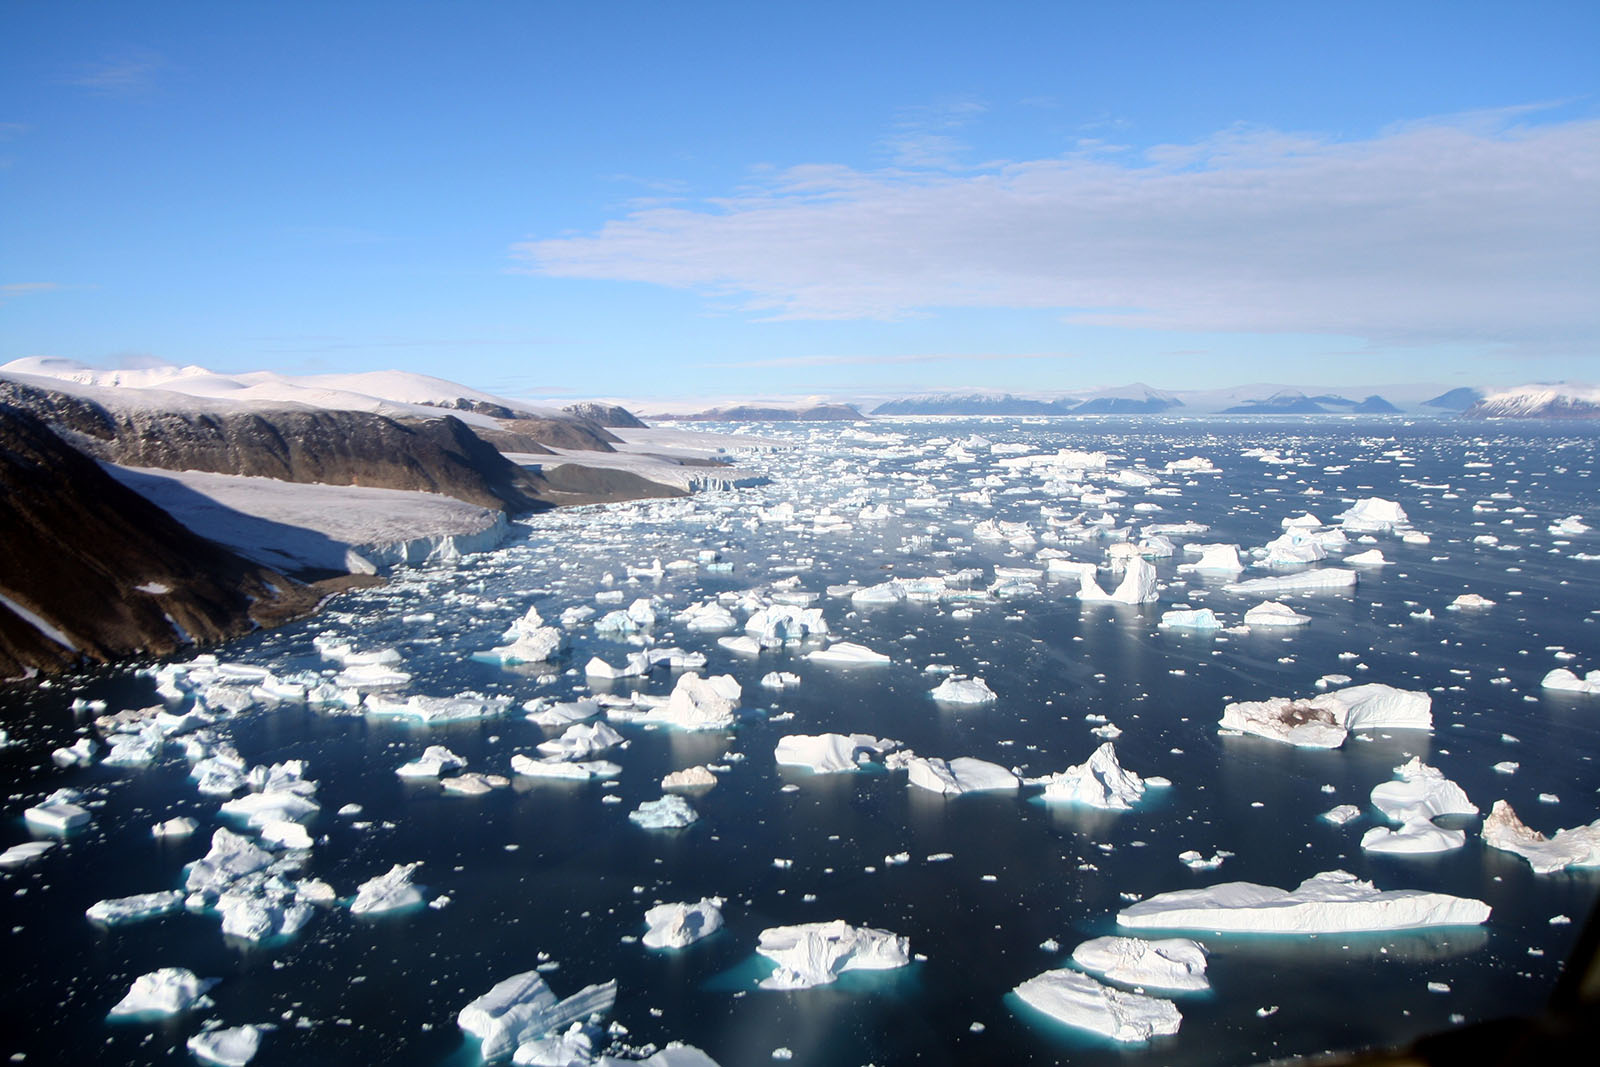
point(1079, 1001)
point(522, 1008)
point(813, 954)
point(233, 1046)
point(163, 992)
point(1272, 613)
point(1327, 903)
point(964, 691)
point(387, 892)
point(1575, 847)
point(828, 753)
point(963, 774)
point(1175, 963)
point(131, 909)
point(680, 925)
point(1099, 782)
point(671, 812)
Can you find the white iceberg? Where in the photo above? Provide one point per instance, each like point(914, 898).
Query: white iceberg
point(813, 954)
point(569, 770)
point(132, 909)
point(1098, 782)
point(1138, 585)
point(163, 992)
point(1271, 613)
point(522, 1008)
point(463, 707)
point(58, 812)
point(1421, 794)
point(1214, 559)
point(1371, 558)
point(689, 778)
point(388, 892)
point(961, 775)
point(1175, 963)
point(1372, 514)
point(1333, 902)
point(680, 925)
point(580, 741)
point(528, 641)
point(232, 1046)
point(1190, 619)
point(1324, 721)
point(1079, 1001)
point(778, 624)
point(699, 703)
point(1566, 681)
point(1575, 847)
point(1319, 580)
point(25, 853)
point(827, 753)
point(433, 762)
point(671, 812)
point(1469, 602)
point(847, 653)
point(964, 691)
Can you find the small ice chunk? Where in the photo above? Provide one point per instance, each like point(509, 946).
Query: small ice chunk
point(58, 812)
point(388, 892)
point(1341, 814)
point(779, 680)
point(25, 853)
point(964, 691)
point(1174, 963)
point(1370, 558)
point(181, 826)
point(1196, 861)
point(679, 925)
point(132, 909)
point(1469, 602)
point(699, 777)
point(233, 1046)
point(813, 954)
point(1080, 1001)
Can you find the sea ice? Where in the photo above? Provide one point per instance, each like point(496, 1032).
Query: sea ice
point(964, 691)
point(960, 775)
point(1175, 963)
point(58, 812)
point(1190, 619)
point(846, 653)
point(1272, 613)
point(131, 909)
point(387, 892)
point(233, 1046)
point(1327, 903)
point(1099, 782)
point(1080, 1001)
point(522, 1008)
point(163, 992)
point(813, 954)
point(1319, 579)
point(1575, 847)
point(828, 753)
point(434, 761)
point(671, 812)
point(679, 925)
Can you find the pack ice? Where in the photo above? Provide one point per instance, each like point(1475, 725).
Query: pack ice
point(1324, 721)
point(813, 954)
point(1079, 1001)
point(1327, 903)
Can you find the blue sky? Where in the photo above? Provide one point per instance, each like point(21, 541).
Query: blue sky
point(677, 200)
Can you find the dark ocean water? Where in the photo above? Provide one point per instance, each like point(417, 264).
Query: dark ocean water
point(548, 868)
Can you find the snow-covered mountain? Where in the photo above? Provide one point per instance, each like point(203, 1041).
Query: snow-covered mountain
point(1559, 401)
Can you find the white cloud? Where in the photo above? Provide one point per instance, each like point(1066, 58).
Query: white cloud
point(1431, 231)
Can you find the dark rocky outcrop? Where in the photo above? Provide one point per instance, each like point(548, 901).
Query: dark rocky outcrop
point(112, 573)
point(440, 455)
point(614, 416)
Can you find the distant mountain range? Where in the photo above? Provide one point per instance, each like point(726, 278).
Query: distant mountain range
point(771, 413)
point(1559, 401)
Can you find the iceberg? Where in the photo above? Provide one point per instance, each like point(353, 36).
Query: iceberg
point(1272, 613)
point(680, 925)
point(1468, 602)
point(1372, 514)
point(813, 954)
point(1422, 794)
point(1079, 1001)
point(1319, 580)
point(523, 1008)
point(131, 909)
point(388, 892)
point(528, 641)
point(1214, 559)
point(1575, 847)
point(1190, 619)
point(699, 703)
point(1098, 782)
point(827, 753)
point(1138, 585)
point(960, 775)
point(233, 1046)
point(964, 691)
point(434, 761)
point(846, 653)
point(689, 778)
point(671, 812)
point(1370, 558)
point(572, 770)
point(231, 857)
point(580, 741)
point(1175, 963)
point(1324, 721)
point(463, 707)
point(25, 853)
point(58, 812)
point(164, 992)
point(778, 624)
point(1294, 546)
point(1563, 680)
point(1333, 902)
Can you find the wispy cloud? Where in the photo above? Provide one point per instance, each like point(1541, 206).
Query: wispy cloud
point(862, 361)
point(128, 70)
point(925, 136)
point(13, 290)
point(1480, 229)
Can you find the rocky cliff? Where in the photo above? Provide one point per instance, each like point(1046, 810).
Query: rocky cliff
point(93, 571)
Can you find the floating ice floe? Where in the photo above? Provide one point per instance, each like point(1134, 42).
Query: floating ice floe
point(671, 812)
point(528, 640)
point(958, 776)
point(1327, 903)
point(689, 778)
point(463, 707)
point(1370, 558)
point(1098, 782)
point(580, 741)
point(25, 853)
point(167, 991)
point(699, 703)
point(569, 770)
point(813, 954)
point(521, 1009)
point(1190, 619)
point(58, 812)
point(434, 761)
point(847, 654)
point(1325, 721)
point(680, 925)
point(1175, 963)
point(964, 691)
point(180, 826)
point(1372, 514)
point(232, 1046)
point(1575, 847)
point(1271, 613)
point(1080, 1001)
point(829, 753)
point(1312, 581)
point(391, 891)
point(1214, 559)
point(119, 910)
point(1469, 602)
point(1138, 586)
point(1566, 681)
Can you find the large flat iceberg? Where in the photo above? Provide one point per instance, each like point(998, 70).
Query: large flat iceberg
point(812, 954)
point(1325, 721)
point(1175, 963)
point(963, 774)
point(1332, 902)
point(1077, 1000)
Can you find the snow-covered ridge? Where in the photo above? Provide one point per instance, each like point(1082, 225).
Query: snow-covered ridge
point(1561, 400)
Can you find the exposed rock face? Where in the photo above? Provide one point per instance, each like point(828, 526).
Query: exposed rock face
point(108, 572)
point(614, 415)
point(294, 444)
point(528, 433)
